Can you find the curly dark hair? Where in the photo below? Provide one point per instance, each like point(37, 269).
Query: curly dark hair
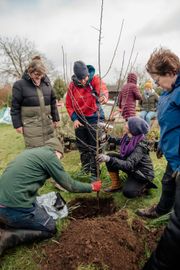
point(163, 61)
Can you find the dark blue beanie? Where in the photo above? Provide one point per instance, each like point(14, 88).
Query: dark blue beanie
point(80, 70)
point(137, 126)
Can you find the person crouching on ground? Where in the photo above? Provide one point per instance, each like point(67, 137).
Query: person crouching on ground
point(133, 159)
point(19, 185)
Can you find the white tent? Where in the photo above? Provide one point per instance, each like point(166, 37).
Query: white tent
point(5, 117)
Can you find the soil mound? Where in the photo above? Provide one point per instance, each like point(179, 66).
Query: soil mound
point(107, 242)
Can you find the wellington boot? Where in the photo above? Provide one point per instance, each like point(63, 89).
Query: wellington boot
point(12, 237)
point(116, 182)
point(149, 212)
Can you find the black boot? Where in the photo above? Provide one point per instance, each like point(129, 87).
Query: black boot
point(149, 212)
point(12, 237)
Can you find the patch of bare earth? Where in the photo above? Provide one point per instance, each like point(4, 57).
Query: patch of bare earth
point(99, 237)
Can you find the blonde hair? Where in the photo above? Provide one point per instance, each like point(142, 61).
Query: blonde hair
point(148, 85)
point(36, 65)
point(163, 61)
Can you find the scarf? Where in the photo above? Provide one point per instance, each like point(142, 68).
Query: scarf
point(129, 144)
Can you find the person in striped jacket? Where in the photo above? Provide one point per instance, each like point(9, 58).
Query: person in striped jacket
point(128, 96)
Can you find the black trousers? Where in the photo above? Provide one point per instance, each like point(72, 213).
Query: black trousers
point(86, 144)
point(167, 254)
point(133, 187)
point(168, 192)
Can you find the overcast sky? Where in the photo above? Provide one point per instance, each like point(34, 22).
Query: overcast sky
point(53, 23)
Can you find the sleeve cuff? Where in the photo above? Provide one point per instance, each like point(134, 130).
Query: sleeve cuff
point(74, 117)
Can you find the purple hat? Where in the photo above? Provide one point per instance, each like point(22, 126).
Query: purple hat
point(80, 70)
point(137, 126)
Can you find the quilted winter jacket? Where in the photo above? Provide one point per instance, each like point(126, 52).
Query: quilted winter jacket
point(138, 160)
point(128, 96)
point(34, 109)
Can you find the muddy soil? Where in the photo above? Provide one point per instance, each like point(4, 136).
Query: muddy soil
point(99, 236)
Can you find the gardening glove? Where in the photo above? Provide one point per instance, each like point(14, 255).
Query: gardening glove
point(96, 186)
point(159, 153)
point(103, 138)
point(103, 158)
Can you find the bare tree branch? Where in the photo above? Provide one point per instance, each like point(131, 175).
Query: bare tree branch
point(99, 39)
point(120, 74)
point(117, 91)
point(15, 55)
point(129, 61)
point(133, 64)
point(95, 28)
point(64, 69)
point(115, 50)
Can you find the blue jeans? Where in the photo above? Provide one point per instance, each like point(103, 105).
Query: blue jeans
point(34, 218)
point(147, 116)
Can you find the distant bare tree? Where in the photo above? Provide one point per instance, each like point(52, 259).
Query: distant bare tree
point(15, 55)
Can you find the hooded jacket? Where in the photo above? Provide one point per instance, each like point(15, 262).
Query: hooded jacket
point(128, 96)
point(169, 121)
point(34, 109)
point(82, 101)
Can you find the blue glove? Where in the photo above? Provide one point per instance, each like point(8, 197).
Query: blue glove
point(103, 158)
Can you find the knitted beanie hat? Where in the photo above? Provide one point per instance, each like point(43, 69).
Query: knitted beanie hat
point(148, 85)
point(55, 144)
point(80, 70)
point(137, 126)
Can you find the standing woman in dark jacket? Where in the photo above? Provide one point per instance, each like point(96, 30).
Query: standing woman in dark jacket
point(34, 111)
point(133, 159)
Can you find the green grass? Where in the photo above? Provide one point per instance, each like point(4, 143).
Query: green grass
point(22, 257)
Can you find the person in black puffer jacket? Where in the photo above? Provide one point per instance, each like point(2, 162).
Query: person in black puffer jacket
point(34, 111)
point(133, 159)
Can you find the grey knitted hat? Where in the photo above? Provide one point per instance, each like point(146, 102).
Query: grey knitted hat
point(80, 70)
point(137, 126)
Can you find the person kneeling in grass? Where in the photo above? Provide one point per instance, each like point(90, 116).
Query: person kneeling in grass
point(19, 185)
point(133, 158)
